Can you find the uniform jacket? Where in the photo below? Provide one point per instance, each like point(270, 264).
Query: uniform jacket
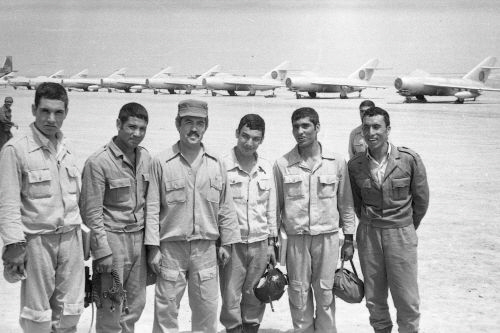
point(403, 197)
point(113, 194)
point(314, 201)
point(357, 142)
point(182, 205)
point(39, 189)
point(254, 197)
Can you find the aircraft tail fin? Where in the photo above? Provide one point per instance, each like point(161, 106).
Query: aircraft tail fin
point(482, 71)
point(81, 74)
point(57, 75)
point(165, 71)
point(7, 66)
point(366, 71)
point(279, 72)
point(119, 73)
point(214, 70)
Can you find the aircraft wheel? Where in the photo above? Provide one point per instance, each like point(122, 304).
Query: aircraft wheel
point(312, 94)
point(188, 92)
point(214, 93)
point(171, 91)
point(421, 98)
point(459, 101)
point(343, 96)
point(231, 92)
point(155, 92)
point(109, 90)
point(407, 99)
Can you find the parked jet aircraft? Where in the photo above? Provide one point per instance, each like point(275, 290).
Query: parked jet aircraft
point(111, 82)
point(232, 83)
point(36, 81)
point(7, 66)
point(139, 83)
point(88, 84)
point(173, 83)
point(420, 83)
point(313, 84)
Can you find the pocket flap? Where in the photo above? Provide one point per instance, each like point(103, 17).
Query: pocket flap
point(328, 179)
point(117, 183)
point(37, 176)
point(264, 184)
point(216, 183)
point(145, 177)
point(401, 182)
point(73, 171)
point(290, 179)
point(175, 184)
point(233, 181)
point(326, 284)
point(208, 273)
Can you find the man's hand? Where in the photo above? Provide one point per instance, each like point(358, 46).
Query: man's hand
point(104, 264)
point(347, 251)
point(154, 258)
point(224, 254)
point(271, 255)
point(14, 257)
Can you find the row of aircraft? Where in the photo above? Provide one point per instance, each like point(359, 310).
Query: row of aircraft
point(418, 84)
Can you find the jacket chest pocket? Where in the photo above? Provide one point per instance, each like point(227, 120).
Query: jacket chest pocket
point(213, 194)
point(73, 176)
point(400, 188)
point(327, 186)
point(237, 188)
point(175, 191)
point(38, 185)
point(264, 188)
point(293, 186)
point(120, 189)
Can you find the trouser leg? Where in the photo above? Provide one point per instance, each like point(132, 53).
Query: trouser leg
point(372, 261)
point(298, 263)
point(252, 310)
point(400, 247)
point(202, 289)
point(324, 253)
point(232, 276)
point(170, 285)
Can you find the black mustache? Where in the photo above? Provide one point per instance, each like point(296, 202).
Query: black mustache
point(193, 133)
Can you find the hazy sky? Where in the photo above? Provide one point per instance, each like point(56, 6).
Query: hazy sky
point(251, 37)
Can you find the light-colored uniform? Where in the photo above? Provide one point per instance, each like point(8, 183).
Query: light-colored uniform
point(390, 204)
point(254, 196)
point(5, 125)
point(39, 190)
point(112, 205)
point(313, 205)
point(357, 142)
point(188, 210)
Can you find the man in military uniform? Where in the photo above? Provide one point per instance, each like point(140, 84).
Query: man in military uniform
point(314, 201)
point(391, 197)
point(357, 143)
point(189, 207)
point(254, 195)
point(115, 181)
point(40, 220)
point(6, 121)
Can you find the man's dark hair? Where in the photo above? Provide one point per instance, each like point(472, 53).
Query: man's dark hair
point(304, 113)
point(51, 90)
point(253, 122)
point(133, 110)
point(366, 103)
point(376, 111)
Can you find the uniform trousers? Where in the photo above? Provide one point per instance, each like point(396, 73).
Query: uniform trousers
point(192, 264)
point(237, 280)
point(388, 259)
point(129, 260)
point(311, 262)
point(52, 293)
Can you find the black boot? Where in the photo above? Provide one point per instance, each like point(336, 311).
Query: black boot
point(250, 328)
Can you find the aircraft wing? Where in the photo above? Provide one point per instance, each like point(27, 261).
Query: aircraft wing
point(460, 86)
point(254, 83)
point(342, 82)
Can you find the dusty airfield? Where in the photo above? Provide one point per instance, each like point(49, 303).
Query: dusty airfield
point(460, 146)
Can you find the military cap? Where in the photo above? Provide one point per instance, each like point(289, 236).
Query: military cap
point(8, 99)
point(192, 107)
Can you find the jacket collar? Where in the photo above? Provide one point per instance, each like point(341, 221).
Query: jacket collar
point(175, 150)
point(233, 162)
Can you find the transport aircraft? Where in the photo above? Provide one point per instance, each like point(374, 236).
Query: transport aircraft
point(470, 86)
point(173, 83)
point(36, 81)
point(7, 66)
point(232, 83)
point(139, 83)
point(313, 84)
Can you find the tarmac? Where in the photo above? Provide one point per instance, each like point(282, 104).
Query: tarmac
point(460, 147)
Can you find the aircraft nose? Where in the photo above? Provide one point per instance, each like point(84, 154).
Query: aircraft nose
point(288, 83)
point(398, 83)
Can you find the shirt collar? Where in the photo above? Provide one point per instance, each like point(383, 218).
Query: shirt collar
point(234, 163)
point(175, 150)
point(370, 157)
point(40, 140)
point(295, 157)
